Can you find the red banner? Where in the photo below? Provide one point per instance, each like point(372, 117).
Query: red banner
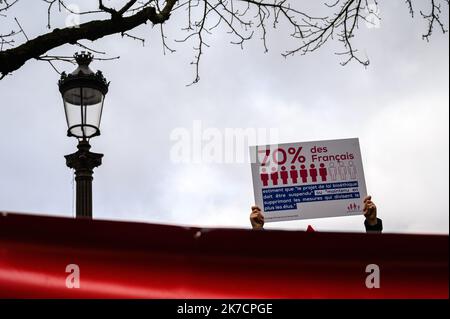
point(47, 257)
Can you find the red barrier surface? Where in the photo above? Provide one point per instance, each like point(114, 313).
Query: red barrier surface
point(136, 260)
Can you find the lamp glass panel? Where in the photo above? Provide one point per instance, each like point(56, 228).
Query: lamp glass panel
point(83, 106)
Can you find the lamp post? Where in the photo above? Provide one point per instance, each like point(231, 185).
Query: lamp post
point(83, 93)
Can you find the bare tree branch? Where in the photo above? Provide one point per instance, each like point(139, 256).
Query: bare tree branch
point(126, 7)
point(410, 6)
point(13, 59)
point(126, 34)
point(113, 12)
point(433, 18)
point(241, 19)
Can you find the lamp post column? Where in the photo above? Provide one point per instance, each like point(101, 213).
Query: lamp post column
point(83, 162)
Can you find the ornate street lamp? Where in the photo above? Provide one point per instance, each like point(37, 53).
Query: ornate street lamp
point(83, 93)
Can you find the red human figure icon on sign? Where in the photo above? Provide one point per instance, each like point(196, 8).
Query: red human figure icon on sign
point(264, 176)
point(294, 174)
point(284, 175)
point(274, 176)
point(313, 173)
point(351, 170)
point(332, 170)
point(303, 173)
point(342, 170)
point(323, 172)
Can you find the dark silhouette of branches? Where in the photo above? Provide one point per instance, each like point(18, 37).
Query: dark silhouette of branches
point(6, 4)
point(338, 20)
point(434, 18)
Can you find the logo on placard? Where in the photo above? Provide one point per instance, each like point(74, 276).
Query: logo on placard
point(353, 207)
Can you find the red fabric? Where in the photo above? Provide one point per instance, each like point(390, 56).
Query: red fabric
point(134, 260)
point(310, 229)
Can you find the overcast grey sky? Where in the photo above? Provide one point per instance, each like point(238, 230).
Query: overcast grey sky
point(398, 107)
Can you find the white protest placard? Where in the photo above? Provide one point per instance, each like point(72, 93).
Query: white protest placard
point(308, 179)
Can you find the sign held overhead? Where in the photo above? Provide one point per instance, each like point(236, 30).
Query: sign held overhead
point(308, 179)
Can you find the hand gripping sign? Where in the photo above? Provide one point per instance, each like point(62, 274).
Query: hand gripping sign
point(309, 179)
